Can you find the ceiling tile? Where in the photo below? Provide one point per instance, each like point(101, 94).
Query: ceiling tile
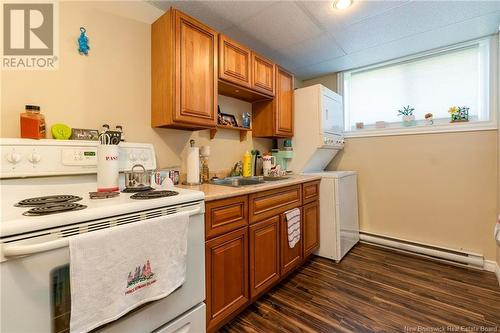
point(413, 18)
point(198, 9)
point(236, 12)
point(280, 25)
point(248, 40)
point(323, 68)
point(333, 19)
point(449, 35)
point(312, 51)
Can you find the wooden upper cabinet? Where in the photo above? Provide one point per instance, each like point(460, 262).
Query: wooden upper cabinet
point(183, 72)
point(262, 74)
point(274, 118)
point(284, 102)
point(234, 62)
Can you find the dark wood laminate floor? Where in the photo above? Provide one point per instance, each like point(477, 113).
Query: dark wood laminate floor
point(376, 290)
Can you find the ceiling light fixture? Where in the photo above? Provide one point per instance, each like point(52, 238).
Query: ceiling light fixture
point(342, 4)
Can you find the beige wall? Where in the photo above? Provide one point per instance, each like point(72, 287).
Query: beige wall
point(438, 189)
point(329, 81)
point(111, 85)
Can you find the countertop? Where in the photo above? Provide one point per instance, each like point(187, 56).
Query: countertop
point(215, 192)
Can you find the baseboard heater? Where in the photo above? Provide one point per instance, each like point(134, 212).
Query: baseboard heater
point(449, 255)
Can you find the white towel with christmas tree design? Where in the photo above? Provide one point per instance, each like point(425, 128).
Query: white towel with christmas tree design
point(115, 270)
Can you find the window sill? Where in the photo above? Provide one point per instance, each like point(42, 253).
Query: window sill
point(423, 129)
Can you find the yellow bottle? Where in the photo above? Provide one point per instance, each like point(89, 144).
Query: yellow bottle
point(247, 164)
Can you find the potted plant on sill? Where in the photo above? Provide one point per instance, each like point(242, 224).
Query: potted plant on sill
point(459, 114)
point(408, 117)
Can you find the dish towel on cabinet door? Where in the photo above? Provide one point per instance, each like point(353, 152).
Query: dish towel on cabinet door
point(113, 271)
point(293, 224)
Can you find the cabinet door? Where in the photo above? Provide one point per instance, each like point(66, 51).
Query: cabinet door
point(290, 257)
point(234, 62)
point(226, 260)
point(262, 74)
point(264, 255)
point(284, 103)
point(310, 227)
point(195, 72)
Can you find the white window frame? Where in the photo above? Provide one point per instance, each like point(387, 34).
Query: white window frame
point(491, 43)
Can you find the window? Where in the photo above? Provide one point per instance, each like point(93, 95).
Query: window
point(430, 83)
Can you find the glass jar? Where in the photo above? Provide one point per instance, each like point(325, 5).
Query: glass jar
point(32, 123)
point(246, 119)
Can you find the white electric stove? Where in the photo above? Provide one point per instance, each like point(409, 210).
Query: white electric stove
point(34, 266)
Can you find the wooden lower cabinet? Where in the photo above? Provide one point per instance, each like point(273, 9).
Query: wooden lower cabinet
point(264, 255)
point(226, 260)
point(310, 228)
point(290, 257)
point(246, 246)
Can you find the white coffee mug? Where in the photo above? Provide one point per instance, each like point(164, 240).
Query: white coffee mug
point(268, 162)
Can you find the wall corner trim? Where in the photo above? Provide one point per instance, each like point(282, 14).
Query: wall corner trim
point(492, 266)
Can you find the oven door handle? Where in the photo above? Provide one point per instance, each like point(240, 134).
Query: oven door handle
point(12, 250)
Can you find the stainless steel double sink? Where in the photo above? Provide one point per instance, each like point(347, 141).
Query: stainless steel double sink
point(244, 181)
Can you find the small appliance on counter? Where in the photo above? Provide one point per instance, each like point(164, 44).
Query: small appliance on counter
point(284, 155)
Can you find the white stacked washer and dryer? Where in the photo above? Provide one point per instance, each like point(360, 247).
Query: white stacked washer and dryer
point(45, 189)
point(318, 137)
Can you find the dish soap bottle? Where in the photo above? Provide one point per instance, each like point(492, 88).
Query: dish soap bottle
point(247, 164)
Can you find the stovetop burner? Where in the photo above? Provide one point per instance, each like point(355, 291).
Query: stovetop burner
point(53, 208)
point(48, 200)
point(153, 194)
point(135, 190)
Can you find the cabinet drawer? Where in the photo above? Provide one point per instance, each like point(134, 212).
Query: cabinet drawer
point(310, 191)
point(225, 215)
point(274, 202)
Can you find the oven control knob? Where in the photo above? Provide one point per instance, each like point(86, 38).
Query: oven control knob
point(34, 158)
point(132, 157)
point(14, 158)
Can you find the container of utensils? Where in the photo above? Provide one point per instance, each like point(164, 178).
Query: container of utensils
point(108, 162)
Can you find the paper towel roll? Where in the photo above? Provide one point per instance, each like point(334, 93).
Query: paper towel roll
point(193, 165)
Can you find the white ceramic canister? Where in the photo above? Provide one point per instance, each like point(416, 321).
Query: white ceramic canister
point(107, 168)
point(268, 162)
